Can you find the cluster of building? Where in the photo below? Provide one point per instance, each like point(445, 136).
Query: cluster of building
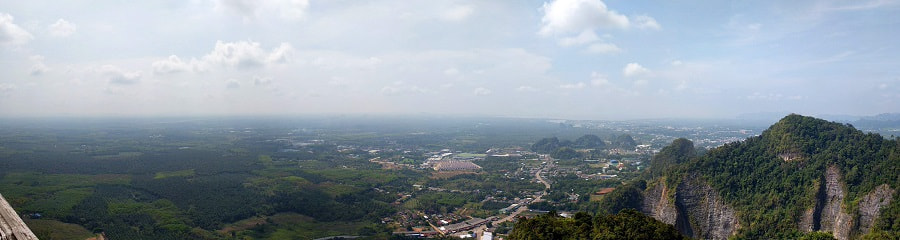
point(452, 165)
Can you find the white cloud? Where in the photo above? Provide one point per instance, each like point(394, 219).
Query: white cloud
point(578, 85)
point(481, 91)
point(599, 80)
point(646, 22)
point(38, 67)
point(237, 54)
point(585, 37)
point(174, 64)
point(293, 9)
point(248, 9)
point(567, 16)
point(457, 13)
point(116, 75)
point(12, 34)
point(62, 28)
point(635, 70)
point(246, 54)
point(281, 54)
point(603, 48)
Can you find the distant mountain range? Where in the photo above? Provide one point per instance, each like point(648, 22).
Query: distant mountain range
point(884, 121)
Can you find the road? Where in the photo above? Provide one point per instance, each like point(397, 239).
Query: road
point(541, 179)
point(521, 209)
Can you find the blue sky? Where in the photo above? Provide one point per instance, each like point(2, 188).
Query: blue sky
point(578, 59)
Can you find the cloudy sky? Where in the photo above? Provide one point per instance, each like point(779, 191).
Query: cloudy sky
point(579, 59)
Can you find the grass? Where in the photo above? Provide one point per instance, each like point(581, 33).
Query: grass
point(56, 230)
point(292, 226)
point(58, 204)
point(53, 195)
point(180, 173)
point(120, 155)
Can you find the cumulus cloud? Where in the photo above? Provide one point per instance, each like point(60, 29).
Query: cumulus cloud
point(62, 28)
point(646, 22)
point(635, 70)
point(118, 76)
point(246, 54)
point(281, 54)
point(567, 16)
point(457, 13)
point(38, 67)
point(241, 54)
point(174, 64)
point(481, 91)
point(12, 34)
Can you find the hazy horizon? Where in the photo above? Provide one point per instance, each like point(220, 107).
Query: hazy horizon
point(565, 59)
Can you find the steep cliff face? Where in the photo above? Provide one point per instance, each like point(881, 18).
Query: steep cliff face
point(834, 218)
point(830, 213)
point(657, 205)
point(698, 211)
point(871, 204)
point(709, 216)
point(808, 220)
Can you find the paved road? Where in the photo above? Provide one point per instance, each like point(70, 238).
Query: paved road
point(525, 207)
point(539, 178)
point(521, 209)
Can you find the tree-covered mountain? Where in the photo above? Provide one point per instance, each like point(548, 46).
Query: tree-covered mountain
point(800, 176)
point(590, 141)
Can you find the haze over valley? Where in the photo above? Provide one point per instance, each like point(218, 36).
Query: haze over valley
point(447, 119)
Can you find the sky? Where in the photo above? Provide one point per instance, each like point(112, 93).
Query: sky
point(573, 59)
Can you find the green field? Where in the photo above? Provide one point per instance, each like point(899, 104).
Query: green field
point(181, 173)
point(56, 230)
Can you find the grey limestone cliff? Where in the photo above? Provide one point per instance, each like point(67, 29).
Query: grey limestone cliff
point(697, 210)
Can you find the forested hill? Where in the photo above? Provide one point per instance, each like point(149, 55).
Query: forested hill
point(802, 175)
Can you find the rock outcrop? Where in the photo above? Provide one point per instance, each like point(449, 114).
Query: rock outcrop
point(871, 204)
point(11, 225)
point(709, 216)
point(830, 214)
point(697, 210)
point(657, 204)
point(833, 216)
